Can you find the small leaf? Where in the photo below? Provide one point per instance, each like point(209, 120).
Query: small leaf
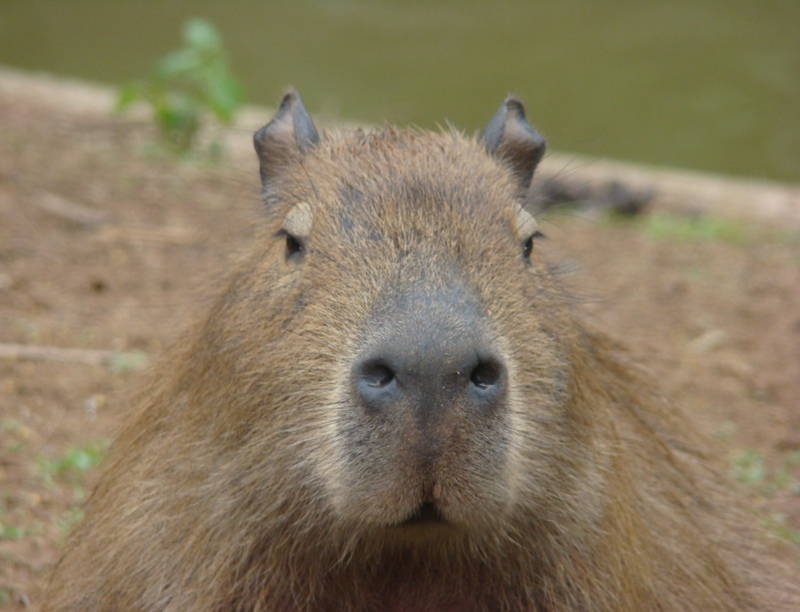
point(224, 98)
point(178, 63)
point(128, 94)
point(199, 33)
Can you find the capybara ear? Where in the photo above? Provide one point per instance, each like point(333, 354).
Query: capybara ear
point(509, 137)
point(290, 133)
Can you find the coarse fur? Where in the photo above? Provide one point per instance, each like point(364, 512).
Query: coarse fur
point(250, 478)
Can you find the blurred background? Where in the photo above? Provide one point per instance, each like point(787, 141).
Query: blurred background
point(705, 84)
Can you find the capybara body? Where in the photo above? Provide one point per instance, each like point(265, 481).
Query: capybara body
point(394, 406)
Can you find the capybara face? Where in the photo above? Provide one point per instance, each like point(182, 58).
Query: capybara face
point(409, 272)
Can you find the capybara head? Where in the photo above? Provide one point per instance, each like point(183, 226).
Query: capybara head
point(393, 406)
point(411, 329)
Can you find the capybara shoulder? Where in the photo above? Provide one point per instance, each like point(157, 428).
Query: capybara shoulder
point(393, 406)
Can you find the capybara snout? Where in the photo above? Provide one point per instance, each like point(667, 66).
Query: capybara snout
point(430, 360)
point(428, 393)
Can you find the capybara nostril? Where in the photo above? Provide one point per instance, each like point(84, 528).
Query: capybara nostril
point(376, 374)
point(375, 382)
point(430, 361)
point(488, 375)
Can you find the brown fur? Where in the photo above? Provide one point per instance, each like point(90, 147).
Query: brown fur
point(235, 486)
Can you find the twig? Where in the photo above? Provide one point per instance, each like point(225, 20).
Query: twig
point(143, 234)
point(27, 352)
point(70, 211)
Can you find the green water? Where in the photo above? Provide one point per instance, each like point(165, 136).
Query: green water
point(712, 85)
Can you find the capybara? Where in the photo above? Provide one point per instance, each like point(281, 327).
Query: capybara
point(395, 406)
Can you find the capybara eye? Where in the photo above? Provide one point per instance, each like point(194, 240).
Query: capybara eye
point(527, 248)
point(526, 231)
point(294, 248)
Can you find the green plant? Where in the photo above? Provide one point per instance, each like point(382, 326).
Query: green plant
point(69, 520)
point(74, 462)
point(9, 425)
point(749, 467)
point(127, 362)
point(15, 435)
point(187, 85)
point(696, 229)
point(777, 524)
point(12, 532)
point(784, 478)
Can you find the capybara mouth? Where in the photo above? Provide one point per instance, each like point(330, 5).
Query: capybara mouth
point(426, 514)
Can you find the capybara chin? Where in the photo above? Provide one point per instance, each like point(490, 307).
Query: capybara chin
point(393, 406)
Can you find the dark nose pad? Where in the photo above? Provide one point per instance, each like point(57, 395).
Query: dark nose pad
point(403, 376)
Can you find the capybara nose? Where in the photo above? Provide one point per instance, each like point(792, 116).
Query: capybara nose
point(429, 375)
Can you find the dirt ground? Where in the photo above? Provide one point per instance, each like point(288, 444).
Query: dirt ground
point(107, 246)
